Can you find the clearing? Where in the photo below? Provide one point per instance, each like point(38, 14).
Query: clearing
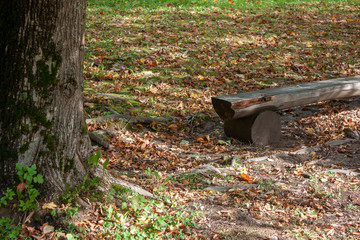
point(151, 70)
point(166, 62)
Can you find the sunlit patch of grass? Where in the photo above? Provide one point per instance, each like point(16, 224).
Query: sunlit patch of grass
point(127, 5)
point(228, 47)
point(161, 51)
point(123, 214)
point(138, 217)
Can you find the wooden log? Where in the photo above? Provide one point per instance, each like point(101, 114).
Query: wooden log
point(240, 105)
point(263, 128)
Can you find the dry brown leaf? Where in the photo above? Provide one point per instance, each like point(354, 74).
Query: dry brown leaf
point(173, 126)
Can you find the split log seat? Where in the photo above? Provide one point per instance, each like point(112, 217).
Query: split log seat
point(252, 116)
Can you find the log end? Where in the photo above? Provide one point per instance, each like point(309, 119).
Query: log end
point(223, 108)
point(263, 128)
point(266, 128)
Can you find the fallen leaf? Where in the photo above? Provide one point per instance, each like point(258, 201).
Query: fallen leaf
point(246, 177)
point(309, 130)
point(152, 64)
point(173, 126)
point(298, 171)
point(50, 205)
point(48, 229)
point(21, 186)
point(330, 232)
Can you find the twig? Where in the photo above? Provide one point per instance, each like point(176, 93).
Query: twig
point(114, 97)
point(132, 119)
point(111, 110)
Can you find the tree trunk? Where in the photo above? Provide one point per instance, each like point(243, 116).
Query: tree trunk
point(41, 116)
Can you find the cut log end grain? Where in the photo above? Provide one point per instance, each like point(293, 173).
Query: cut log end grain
point(266, 128)
point(263, 128)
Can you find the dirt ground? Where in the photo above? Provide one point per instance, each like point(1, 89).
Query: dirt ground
point(309, 185)
point(306, 186)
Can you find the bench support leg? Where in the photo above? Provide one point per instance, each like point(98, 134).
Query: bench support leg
point(262, 128)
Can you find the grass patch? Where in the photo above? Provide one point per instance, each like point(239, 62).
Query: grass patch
point(142, 47)
point(125, 5)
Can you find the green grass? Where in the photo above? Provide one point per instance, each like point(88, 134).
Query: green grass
point(125, 214)
point(140, 218)
point(126, 5)
point(191, 46)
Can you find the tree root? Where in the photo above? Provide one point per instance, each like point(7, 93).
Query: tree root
point(108, 180)
point(94, 137)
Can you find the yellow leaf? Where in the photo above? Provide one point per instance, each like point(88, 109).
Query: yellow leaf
point(298, 172)
point(310, 130)
point(50, 205)
point(200, 77)
point(194, 95)
point(141, 60)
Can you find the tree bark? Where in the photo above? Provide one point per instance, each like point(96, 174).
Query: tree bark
point(41, 115)
point(245, 104)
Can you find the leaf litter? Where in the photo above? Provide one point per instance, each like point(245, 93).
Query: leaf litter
point(170, 61)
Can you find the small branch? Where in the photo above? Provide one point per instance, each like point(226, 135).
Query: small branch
point(111, 110)
point(114, 97)
point(132, 119)
point(227, 188)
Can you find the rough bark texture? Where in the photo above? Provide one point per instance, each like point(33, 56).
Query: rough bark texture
point(248, 103)
point(41, 116)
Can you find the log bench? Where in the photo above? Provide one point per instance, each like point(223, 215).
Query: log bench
point(252, 116)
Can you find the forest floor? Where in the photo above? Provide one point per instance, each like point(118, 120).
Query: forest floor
point(303, 187)
point(159, 67)
point(152, 72)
